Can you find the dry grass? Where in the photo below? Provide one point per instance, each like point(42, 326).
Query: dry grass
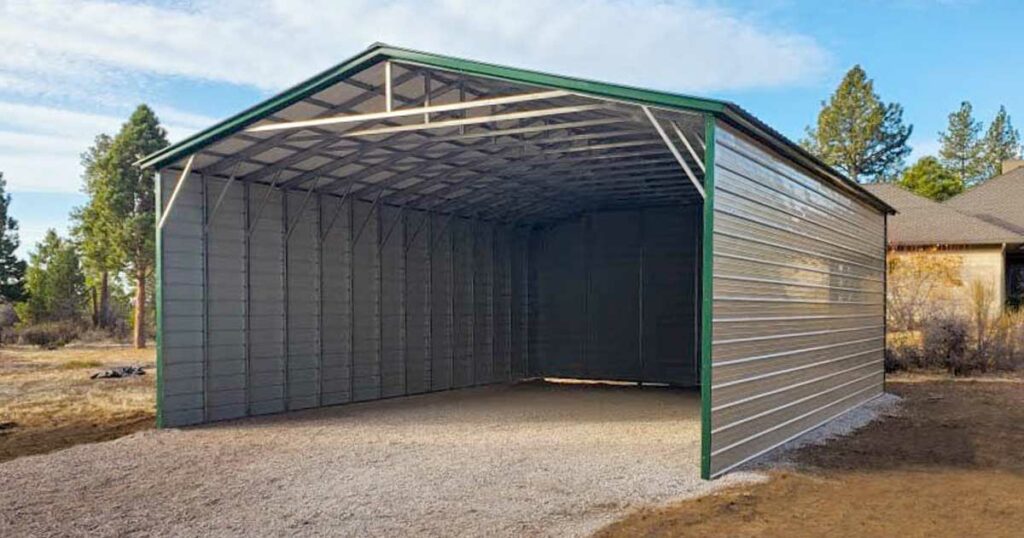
point(48, 402)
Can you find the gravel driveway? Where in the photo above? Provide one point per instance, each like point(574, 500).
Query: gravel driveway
point(532, 458)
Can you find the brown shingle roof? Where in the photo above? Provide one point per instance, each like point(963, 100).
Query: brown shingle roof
point(999, 201)
point(921, 221)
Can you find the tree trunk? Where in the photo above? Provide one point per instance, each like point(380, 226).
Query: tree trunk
point(104, 313)
point(95, 309)
point(140, 309)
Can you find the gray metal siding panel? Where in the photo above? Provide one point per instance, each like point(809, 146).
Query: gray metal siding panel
point(502, 305)
point(417, 302)
point(337, 300)
point(462, 303)
point(292, 315)
point(392, 296)
point(227, 384)
point(266, 319)
point(561, 301)
point(615, 296)
point(483, 303)
point(441, 313)
point(303, 302)
point(183, 322)
point(614, 255)
point(670, 289)
point(798, 320)
point(519, 282)
point(366, 302)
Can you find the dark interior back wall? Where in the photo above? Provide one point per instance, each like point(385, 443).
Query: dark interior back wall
point(614, 296)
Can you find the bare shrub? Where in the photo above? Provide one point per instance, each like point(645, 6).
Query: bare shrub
point(50, 334)
point(1005, 347)
point(919, 286)
point(945, 343)
point(903, 351)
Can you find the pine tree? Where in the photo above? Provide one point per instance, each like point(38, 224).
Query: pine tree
point(124, 196)
point(12, 270)
point(962, 151)
point(1001, 143)
point(859, 134)
point(94, 233)
point(930, 179)
point(54, 281)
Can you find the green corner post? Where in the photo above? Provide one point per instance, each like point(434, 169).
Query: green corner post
point(707, 296)
point(159, 202)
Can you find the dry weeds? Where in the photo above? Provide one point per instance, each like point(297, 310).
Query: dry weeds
point(48, 402)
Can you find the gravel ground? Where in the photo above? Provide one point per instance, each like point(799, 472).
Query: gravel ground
point(535, 458)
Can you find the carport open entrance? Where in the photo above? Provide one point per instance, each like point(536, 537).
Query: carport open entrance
point(412, 229)
point(480, 231)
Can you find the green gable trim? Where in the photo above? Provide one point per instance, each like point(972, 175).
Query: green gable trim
point(582, 86)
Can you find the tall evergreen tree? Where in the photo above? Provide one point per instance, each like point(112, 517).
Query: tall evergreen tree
point(1001, 143)
point(54, 282)
point(962, 150)
point(930, 179)
point(94, 232)
point(124, 196)
point(859, 134)
point(12, 270)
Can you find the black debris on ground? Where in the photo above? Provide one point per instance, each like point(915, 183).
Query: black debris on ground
point(121, 371)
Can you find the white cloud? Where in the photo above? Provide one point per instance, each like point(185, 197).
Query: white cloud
point(674, 45)
point(101, 55)
point(40, 146)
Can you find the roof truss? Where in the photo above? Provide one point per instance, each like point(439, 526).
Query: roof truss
point(429, 139)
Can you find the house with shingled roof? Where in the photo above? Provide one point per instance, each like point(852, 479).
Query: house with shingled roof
point(983, 227)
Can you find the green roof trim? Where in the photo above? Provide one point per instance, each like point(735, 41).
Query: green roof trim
point(379, 52)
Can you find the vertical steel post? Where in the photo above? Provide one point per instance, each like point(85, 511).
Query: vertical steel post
point(707, 295)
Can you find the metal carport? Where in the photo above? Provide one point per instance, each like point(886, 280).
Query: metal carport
point(407, 222)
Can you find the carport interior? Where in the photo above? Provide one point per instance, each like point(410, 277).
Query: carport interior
point(409, 229)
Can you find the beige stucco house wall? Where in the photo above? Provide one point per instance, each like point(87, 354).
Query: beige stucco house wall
point(977, 266)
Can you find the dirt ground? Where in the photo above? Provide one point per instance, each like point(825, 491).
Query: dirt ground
point(949, 463)
point(48, 402)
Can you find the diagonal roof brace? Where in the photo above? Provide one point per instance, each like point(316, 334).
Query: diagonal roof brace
point(675, 152)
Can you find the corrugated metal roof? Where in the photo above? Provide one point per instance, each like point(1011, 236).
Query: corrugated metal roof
point(922, 221)
point(380, 52)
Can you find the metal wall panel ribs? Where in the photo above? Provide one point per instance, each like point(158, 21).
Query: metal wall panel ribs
point(291, 301)
point(798, 319)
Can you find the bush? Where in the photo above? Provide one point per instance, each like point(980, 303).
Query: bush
point(1006, 342)
point(903, 351)
point(49, 335)
point(945, 343)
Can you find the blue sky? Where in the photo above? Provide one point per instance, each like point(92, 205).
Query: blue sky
point(73, 69)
